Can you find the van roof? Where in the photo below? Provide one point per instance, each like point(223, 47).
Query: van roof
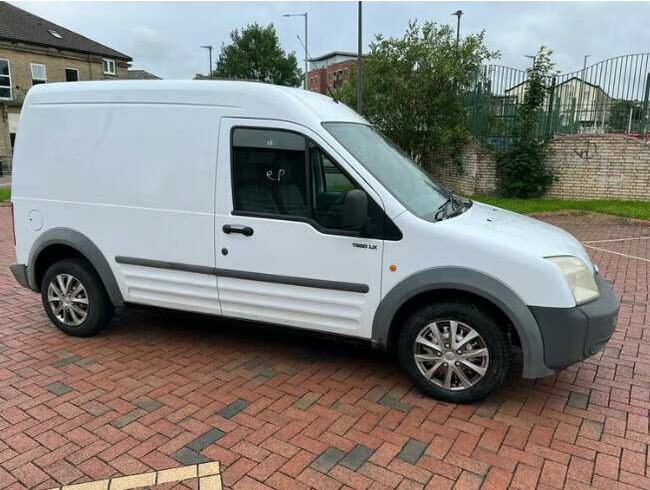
point(238, 99)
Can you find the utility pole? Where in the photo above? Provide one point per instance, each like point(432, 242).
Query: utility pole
point(306, 45)
point(209, 48)
point(459, 14)
point(359, 59)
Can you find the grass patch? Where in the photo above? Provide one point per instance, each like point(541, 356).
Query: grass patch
point(5, 194)
point(627, 209)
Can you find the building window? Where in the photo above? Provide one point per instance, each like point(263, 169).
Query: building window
point(71, 75)
point(109, 67)
point(5, 80)
point(55, 34)
point(39, 73)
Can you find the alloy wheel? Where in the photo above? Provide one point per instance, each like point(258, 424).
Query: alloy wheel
point(451, 355)
point(68, 299)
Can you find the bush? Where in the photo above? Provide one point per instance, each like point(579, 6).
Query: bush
point(522, 169)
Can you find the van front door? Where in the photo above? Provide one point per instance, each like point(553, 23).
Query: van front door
point(283, 255)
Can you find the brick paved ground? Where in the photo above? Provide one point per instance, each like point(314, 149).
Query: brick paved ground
point(278, 410)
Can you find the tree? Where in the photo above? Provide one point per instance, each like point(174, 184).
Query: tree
point(255, 54)
point(522, 169)
point(414, 87)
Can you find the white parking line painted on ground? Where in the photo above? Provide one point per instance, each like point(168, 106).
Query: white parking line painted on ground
point(616, 253)
point(208, 474)
point(619, 239)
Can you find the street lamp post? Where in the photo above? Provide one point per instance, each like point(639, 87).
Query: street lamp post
point(359, 61)
point(459, 14)
point(306, 16)
point(209, 48)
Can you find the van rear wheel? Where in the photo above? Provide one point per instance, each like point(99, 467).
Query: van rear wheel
point(454, 351)
point(75, 299)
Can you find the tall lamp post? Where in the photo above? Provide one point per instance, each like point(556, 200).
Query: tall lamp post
point(359, 60)
point(532, 57)
point(459, 14)
point(306, 16)
point(209, 48)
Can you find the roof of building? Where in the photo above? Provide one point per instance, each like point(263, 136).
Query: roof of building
point(141, 75)
point(577, 79)
point(18, 25)
point(332, 54)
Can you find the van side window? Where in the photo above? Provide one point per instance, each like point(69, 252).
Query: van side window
point(329, 186)
point(269, 172)
point(282, 173)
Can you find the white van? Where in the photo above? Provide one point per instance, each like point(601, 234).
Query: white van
point(282, 206)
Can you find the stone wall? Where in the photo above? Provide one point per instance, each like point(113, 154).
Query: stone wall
point(602, 166)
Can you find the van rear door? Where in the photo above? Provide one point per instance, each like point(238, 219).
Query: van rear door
point(283, 255)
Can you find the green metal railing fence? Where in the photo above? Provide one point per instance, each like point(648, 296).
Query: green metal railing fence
point(611, 96)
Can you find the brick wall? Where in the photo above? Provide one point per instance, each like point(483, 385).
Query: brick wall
point(474, 175)
point(331, 76)
point(603, 166)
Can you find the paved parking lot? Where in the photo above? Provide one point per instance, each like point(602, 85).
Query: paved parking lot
point(279, 410)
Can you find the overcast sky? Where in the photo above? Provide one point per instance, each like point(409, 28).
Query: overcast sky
point(164, 37)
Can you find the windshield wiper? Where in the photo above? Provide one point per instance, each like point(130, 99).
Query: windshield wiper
point(441, 212)
point(452, 206)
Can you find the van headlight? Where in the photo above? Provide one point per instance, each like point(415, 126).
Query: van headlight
point(579, 276)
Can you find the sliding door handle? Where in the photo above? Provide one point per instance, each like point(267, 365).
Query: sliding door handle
point(243, 230)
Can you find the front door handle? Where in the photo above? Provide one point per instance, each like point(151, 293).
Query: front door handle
point(244, 230)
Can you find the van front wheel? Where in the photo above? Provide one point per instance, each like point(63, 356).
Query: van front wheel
point(454, 351)
point(75, 299)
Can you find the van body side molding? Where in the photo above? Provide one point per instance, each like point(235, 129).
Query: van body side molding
point(471, 281)
point(251, 276)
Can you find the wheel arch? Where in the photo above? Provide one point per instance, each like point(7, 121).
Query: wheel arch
point(59, 243)
point(444, 282)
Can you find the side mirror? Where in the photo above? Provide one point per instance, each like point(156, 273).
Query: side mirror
point(355, 210)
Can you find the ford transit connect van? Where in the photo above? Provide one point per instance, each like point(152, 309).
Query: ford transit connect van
point(278, 205)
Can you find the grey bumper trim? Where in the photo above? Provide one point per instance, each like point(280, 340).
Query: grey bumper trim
point(573, 334)
point(20, 273)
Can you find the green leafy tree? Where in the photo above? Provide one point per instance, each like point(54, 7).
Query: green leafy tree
point(255, 54)
point(522, 169)
point(414, 87)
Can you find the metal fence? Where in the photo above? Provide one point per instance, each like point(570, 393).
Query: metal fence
point(610, 96)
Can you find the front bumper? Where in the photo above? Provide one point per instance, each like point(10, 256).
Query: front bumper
point(573, 334)
point(20, 273)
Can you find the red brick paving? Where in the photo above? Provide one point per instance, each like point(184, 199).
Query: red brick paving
point(288, 411)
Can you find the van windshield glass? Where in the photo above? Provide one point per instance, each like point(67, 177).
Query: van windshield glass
point(393, 168)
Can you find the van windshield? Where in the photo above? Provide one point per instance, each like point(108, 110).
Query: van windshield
point(400, 175)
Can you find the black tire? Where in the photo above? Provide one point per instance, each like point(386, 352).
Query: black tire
point(99, 309)
point(493, 338)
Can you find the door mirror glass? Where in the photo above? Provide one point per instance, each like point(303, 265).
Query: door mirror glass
point(355, 210)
